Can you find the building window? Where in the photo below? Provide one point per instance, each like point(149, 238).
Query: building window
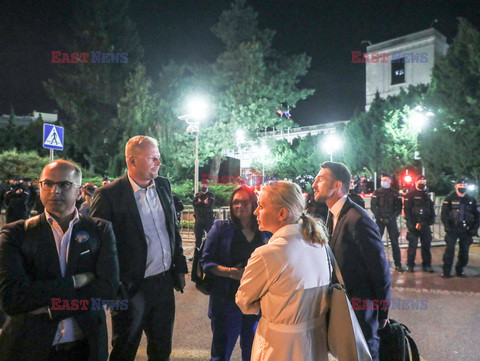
point(398, 71)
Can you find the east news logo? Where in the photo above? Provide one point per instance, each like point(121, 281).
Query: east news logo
point(94, 57)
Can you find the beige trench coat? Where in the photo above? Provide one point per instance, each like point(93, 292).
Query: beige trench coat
point(287, 280)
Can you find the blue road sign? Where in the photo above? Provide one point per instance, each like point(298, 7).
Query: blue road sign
point(52, 136)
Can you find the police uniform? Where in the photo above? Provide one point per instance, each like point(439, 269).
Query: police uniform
point(461, 220)
point(386, 205)
point(203, 204)
point(419, 210)
point(356, 198)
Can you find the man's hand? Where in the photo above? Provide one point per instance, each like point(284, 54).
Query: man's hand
point(236, 273)
point(383, 323)
point(181, 286)
point(418, 226)
point(82, 279)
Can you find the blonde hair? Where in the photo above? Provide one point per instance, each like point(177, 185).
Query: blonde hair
point(136, 142)
point(288, 195)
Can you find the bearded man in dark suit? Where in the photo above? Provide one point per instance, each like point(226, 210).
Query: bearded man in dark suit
point(152, 264)
point(52, 267)
point(357, 246)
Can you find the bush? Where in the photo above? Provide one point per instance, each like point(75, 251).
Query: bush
point(25, 165)
point(185, 190)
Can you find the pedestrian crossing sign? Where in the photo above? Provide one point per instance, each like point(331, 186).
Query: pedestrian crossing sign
point(52, 136)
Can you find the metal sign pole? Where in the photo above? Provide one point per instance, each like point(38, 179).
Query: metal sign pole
point(51, 155)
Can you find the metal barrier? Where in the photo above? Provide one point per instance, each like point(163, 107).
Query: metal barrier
point(188, 221)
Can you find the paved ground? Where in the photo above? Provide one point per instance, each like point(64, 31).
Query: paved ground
point(445, 327)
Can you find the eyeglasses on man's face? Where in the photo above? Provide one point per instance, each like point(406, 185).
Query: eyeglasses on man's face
point(48, 185)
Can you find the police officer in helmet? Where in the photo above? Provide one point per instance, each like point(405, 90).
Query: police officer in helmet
point(461, 220)
point(386, 205)
point(420, 215)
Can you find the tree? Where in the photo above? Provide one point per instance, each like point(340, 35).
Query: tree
point(450, 146)
point(382, 138)
point(248, 81)
point(89, 92)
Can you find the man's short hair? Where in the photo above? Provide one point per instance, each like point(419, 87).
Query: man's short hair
point(63, 163)
point(138, 142)
point(340, 173)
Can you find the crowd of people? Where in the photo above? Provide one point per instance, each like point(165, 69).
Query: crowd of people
point(268, 264)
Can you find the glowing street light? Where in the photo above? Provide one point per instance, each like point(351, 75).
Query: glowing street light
point(197, 113)
point(332, 144)
point(418, 119)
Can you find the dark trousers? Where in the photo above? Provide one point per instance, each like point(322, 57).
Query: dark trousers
point(465, 240)
point(151, 310)
point(79, 351)
point(202, 226)
point(393, 234)
point(425, 235)
point(368, 320)
point(228, 323)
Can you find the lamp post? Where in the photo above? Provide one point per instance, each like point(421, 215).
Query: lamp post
point(264, 152)
point(332, 143)
point(418, 120)
point(193, 118)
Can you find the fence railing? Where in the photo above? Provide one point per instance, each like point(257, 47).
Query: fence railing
point(187, 222)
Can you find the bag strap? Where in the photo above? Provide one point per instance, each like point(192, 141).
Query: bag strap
point(413, 347)
point(332, 261)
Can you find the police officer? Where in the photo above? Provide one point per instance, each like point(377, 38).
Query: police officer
point(354, 196)
point(386, 206)
point(420, 215)
point(15, 200)
point(461, 220)
point(203, 204)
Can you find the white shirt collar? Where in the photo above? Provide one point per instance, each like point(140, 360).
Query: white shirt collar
point(337, 207)
point(75, 219)
point(136, 187)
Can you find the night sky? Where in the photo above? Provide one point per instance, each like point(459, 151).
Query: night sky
point(180, 29)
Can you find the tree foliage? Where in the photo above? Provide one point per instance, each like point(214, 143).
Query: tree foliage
point(383, 139)
point(89, 92)
point(17, 164)
point(451, 145)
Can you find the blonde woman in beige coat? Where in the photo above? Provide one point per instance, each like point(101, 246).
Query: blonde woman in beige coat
point(287, 279)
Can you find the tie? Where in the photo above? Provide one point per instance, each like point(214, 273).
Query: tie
point(63, 255)
point(330, 223)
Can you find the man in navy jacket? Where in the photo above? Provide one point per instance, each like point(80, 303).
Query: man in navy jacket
point(358, 249)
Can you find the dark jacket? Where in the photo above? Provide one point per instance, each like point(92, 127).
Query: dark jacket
point(115, 202)
point(30, 277)
point(386, 203)
point(460, 214)
point(202, 209)
point(418, 209)
point(358, 249)
point(217, 252)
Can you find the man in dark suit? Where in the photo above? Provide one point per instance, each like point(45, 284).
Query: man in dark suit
point(152, 264)
point(357, 246)
point(51, 267)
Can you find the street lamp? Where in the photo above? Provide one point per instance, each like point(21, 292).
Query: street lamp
point(418, 119)
point(331, 144)
point(197, 113)
point(264, 152)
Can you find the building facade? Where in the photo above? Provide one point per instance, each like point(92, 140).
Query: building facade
point(398, 63)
